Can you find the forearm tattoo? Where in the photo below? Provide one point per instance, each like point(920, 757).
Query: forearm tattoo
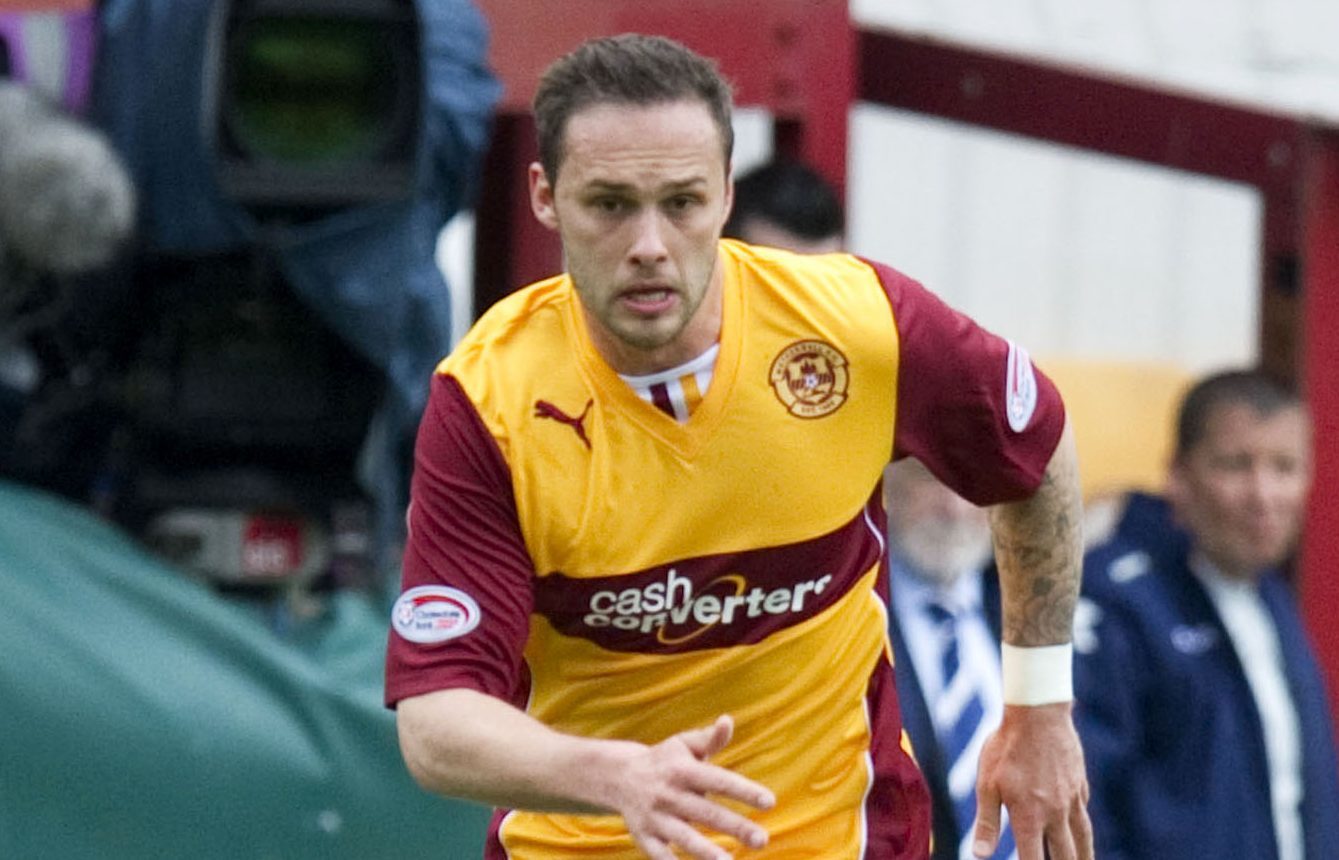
point(1039, 549)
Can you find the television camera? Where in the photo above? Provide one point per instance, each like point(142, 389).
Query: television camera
point(191, 395)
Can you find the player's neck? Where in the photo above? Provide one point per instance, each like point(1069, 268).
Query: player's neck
point(702, 331)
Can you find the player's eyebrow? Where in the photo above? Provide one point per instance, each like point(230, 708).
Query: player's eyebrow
point(686, 183)
point(608, 185)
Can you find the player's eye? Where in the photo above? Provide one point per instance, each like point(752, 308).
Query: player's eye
point(681, 203)
point(610, 205)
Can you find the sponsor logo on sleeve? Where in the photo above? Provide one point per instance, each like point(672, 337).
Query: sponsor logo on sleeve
point(430, 614)
point(1020, 388)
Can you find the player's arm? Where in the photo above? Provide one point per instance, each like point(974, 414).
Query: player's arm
point(453, 687)
point(1039, 550)
point(463, 743)
point(1034, 763)
point(971, 407)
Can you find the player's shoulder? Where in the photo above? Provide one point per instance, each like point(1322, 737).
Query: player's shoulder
point(522, 340)
point(787, 267)
point(520, 329)
point(843, 277)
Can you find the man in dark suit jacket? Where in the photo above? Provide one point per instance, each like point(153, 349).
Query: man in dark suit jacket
point(939, 545)
point(1197, 695)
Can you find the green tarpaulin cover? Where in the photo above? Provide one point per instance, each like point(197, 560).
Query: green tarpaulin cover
point(143, 715)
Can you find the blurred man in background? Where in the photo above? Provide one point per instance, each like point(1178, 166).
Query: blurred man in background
point(786, 204)
point(946, 632)
point(1198, 696)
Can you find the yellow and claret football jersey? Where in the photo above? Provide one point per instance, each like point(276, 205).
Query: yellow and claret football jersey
point(619, 574)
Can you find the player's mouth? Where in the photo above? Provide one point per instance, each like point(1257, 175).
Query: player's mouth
point(648, 299)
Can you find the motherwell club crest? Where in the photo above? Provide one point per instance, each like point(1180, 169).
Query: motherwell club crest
point(810, 378)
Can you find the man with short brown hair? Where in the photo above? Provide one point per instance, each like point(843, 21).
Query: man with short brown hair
point(643, 602)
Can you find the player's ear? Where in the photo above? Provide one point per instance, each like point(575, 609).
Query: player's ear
point(541, 197)
point(729, 192)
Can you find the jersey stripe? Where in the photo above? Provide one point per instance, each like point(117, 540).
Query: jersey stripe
point(710, 601)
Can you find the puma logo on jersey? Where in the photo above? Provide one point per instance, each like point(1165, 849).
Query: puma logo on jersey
point(545, 409)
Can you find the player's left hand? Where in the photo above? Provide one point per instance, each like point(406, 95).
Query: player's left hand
point(1033, 764)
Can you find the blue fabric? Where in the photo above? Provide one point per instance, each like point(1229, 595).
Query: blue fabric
point(959, 729)
point(367, 272)
point(919, 724)
point(1146, 520)
point(1173, 740)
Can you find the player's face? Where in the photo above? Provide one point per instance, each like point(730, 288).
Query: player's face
point(1241, 491)
point(640, 199)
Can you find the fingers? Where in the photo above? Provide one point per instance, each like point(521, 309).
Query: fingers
point(1060, 842)
point(653, 848)
point(672, 827)
point(710, 779)
point(1029, 836)
point(1082, 828)
point(706, 742)
point(720, 819)
point(680, 835)
point(1070, 838)
point(679, 794)
point(987, 829)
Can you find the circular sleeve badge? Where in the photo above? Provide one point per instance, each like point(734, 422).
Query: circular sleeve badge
point(429, 614)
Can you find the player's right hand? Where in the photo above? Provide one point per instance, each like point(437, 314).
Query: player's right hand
point(667, 793)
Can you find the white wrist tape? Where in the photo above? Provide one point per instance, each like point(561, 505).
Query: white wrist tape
point(1037, 676)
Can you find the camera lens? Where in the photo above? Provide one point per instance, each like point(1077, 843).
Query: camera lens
point(313, 92)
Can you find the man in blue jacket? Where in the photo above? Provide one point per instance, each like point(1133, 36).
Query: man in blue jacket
point(1198, 697)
